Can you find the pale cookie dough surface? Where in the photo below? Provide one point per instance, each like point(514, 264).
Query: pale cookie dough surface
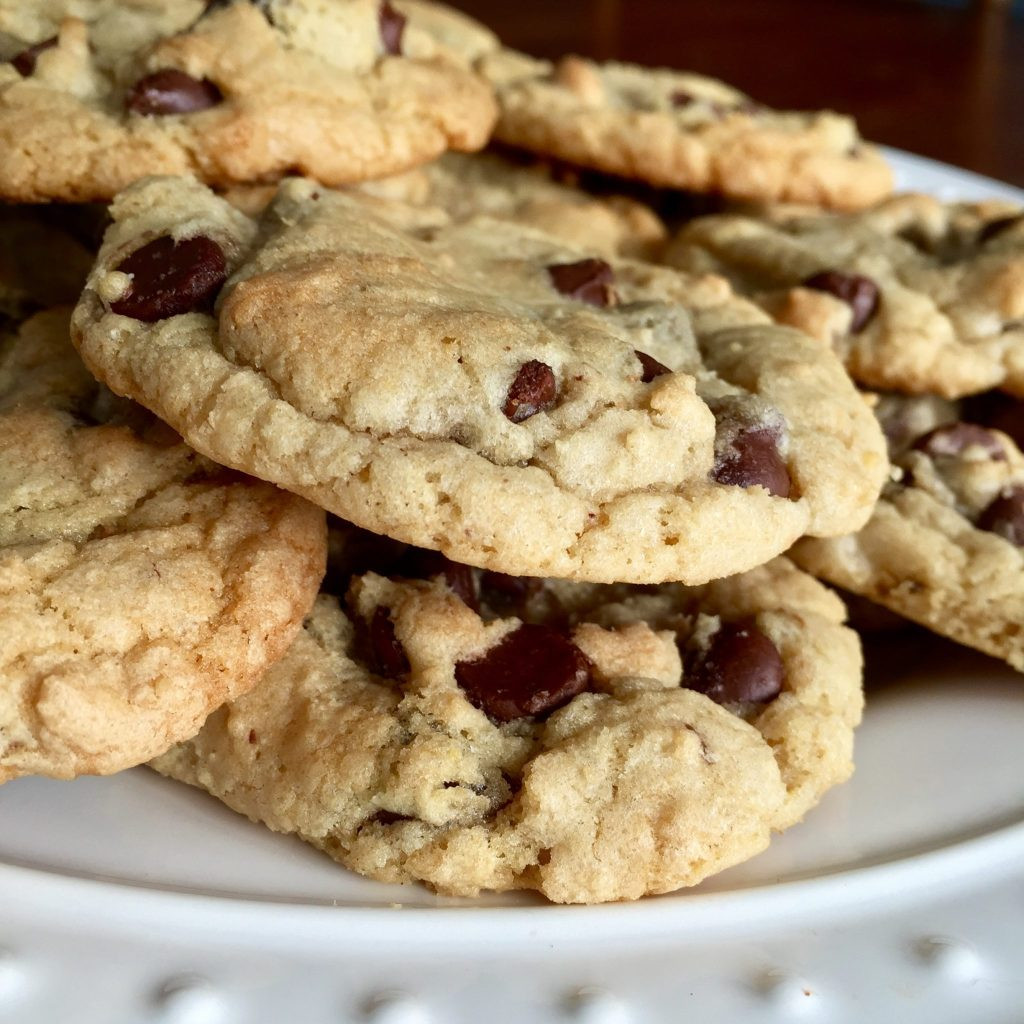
point(140, 585)
point(944, 546)
point(428, 380)
point(364, 742)
point(681, 130)
point(333, 89)
point(948, 280)
point(466, 186)
point(470, 185)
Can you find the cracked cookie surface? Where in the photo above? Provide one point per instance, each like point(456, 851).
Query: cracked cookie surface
point(681, 130)
point(140, 585)
point(422, 734)
point(477, 386)
point(916, 295)
point(945, 545)
point(95, 94)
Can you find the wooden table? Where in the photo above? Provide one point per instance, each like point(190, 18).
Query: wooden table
point(943, 81)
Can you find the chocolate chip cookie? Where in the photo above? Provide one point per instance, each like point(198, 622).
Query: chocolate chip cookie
point(96, 94)
point(681, 130)
point(140, 585)
point(944, 546)
point(917, 295)
point(478, 387)
point(479, 731)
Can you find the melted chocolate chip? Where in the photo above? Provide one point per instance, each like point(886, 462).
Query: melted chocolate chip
point(170, 277)
point(533, 390)
point(682, 98)
point(1005, 516)
point(352, 551)
point(651, 367)
point(171, 91)
point(751, 459)
point(384, 652)
point(997, 226)
point(740, 665)
point(999, 411)
point(533, 671)
point(263, 6)
point(388, 818)
point(25, 62)
point(956, 438)
point(392, 25)
point(858, 292)
point(419, 563)
point(588, 280)
point(508, 595)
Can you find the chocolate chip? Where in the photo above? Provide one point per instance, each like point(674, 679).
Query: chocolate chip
point(171, 277)
point(171, 91)
point(388, 818)
point(419, 563)
point(533, 671)
point(533, 390)
point(995, 227)
point(1005, 516)
point(682, 98)
point(588, 280)
point(263, 6)
point(383, 650)
point(25, 62)
point(740, 665)
point(651, 367)
point(956, 438)
point(750, 457)
point(858, 292)
point(392, 25)
point(507, 595)
point(999, 411)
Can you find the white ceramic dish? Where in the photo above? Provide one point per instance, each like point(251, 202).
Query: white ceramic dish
point(901, 898)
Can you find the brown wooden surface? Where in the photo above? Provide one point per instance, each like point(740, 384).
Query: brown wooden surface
point(946, 82)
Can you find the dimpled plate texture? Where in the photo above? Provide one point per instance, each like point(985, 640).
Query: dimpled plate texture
point(900, 898)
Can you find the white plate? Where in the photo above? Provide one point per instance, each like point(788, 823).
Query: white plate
point(901, 897)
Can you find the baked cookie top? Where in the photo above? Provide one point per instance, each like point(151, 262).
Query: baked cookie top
point(97, 93)
point(477, 386)
point(917, 295)
point(944, 546)
point(479, 731)
point(140, 585)
point(681, 130)
point(470, 185)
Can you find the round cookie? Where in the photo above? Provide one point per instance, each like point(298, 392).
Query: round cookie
point(917, 295)
point(681, 130)
point(482, 732)
point(96, 94)
point(140, 585)
point(944, 546)
point(477, 386)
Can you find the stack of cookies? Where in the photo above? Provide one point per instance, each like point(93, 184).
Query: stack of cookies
point(435, 510)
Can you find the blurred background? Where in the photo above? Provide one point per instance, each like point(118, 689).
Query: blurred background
point(944, 78)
